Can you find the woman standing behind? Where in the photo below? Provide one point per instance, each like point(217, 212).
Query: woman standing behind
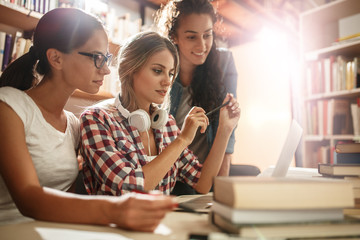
point(39, 138)
point(206, 73)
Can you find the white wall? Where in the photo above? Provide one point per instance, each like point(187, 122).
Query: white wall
point(264, 96)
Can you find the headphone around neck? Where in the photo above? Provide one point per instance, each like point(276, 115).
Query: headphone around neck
point(140, 119)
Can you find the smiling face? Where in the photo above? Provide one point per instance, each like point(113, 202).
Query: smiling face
point(152, 82)
point(80, 70)
point(194, 38)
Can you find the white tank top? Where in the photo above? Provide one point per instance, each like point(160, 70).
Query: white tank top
point(52, 152)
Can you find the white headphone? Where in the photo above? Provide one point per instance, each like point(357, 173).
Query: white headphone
point(140, 119)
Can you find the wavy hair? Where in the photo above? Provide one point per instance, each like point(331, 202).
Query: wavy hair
point(206, 89)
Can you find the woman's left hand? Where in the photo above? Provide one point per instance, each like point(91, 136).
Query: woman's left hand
point(230, 114)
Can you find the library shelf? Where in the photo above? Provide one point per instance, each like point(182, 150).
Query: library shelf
point(319, 29)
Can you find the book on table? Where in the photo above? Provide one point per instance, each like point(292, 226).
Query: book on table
point(323, 229)
point(347, 158)
point(282, 193)
point(255, 216)
point(339, 170)
point(347, 147)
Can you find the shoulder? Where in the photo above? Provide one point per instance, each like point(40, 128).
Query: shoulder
point(225, 55)
point(10, 92)
point(19, 102)
point(73, 120)
point(100, 110)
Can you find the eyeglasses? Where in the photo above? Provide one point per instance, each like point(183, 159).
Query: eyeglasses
point(99, 58)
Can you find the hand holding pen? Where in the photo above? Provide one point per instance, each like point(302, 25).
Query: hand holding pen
point(230, 116)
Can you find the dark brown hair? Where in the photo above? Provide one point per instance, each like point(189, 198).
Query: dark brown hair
point(64, 29)
point(207, 89)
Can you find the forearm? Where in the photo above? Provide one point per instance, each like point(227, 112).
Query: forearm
point(155, 170)
point(213, 161)
point(225, 165)
point(53, 205)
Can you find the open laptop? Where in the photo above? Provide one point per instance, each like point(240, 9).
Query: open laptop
point(202, 204)
point(287, 153)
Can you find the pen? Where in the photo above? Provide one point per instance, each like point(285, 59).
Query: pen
point(217, 108)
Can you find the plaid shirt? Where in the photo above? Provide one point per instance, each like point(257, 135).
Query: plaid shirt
point(114, 154)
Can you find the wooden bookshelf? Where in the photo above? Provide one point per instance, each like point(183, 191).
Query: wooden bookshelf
point(319, 30)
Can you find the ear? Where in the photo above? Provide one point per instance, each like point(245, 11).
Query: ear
point(174, 39)
point(55, 58)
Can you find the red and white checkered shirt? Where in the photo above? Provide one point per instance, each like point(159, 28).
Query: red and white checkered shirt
point(114, 154)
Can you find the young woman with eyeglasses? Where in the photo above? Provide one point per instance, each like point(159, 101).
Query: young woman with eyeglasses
point(39, 139)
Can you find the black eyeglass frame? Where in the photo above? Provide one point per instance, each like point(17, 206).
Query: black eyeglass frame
point(106, 59)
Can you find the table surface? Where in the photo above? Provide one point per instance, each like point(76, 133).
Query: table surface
point(176, 225)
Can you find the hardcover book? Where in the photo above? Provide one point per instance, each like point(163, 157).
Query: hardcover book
point(326, 229)
point(265, 193)
point(339, 170)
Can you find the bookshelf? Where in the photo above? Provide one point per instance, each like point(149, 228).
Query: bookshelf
point(15, 18)
point(327, 79)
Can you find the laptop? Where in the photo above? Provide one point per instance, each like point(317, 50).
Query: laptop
point(202, 204)
point(286, 155)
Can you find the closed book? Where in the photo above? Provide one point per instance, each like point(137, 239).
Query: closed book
point(346, 158)
point(339, 170)
point(282, 193)
point(7, 51)
point(240, 216)
point(326, 229)
point(347, 148)
point(2, 47)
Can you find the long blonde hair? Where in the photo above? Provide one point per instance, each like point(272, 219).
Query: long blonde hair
point(133, 55)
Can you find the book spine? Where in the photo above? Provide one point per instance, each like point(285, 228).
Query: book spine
point(7, 49)
point(347, 158)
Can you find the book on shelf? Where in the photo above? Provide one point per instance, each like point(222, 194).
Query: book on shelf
point(282, 193)
point(324, 229)
point(267, 216)
point(328, 117)
point(339, 170)
point(7, 49)
point(338, 116)
point(2, 47)
point(350, 147)
point(18, 47)
point(332, 73)
point(355, 115)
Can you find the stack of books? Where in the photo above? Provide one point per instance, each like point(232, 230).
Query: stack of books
point(283, 207)
point(347, 167)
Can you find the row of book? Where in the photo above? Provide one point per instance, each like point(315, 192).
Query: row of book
point(8, 51)
point(332, 117)
point(266, 208)
point(326, 154)
point(334, 73)
point(119, 27)
point(41, 6)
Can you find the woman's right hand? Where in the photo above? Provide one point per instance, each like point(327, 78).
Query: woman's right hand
point(141, 212)
point(194, 119)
